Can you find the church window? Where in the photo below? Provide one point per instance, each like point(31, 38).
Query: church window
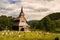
point(22, 21)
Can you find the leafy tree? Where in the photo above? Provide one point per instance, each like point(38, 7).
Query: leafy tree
point(48, 23)
point(6, 22)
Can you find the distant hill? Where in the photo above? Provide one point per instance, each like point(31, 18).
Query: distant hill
point(48, 23)
point(55, 16)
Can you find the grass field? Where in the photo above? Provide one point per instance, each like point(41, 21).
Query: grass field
point(34, 35)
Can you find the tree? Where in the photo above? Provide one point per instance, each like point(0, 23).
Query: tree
point(6, 22)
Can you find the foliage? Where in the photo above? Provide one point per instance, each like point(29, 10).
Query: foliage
point(48, 23)
point(6, 22)
point(54, 16)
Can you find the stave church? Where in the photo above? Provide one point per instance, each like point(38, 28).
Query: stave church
point(20, 22)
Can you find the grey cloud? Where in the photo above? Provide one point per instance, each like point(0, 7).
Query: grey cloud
point(38, 10)
point(29, 5)
point(48, 0)
point(41, 1)
point(9, 1)
point(3, 2)
point(42, 9)
point(2, 8)
point(14, 1)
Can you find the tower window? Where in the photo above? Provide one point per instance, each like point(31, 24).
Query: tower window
point(22, 21)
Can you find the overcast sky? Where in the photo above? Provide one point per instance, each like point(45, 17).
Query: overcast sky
point(33, 9)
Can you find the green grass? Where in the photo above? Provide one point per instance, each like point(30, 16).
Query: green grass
point(28, 36)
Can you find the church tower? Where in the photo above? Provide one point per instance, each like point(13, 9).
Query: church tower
point(20, 22)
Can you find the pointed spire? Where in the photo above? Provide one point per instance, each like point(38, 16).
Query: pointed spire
point(21, 13)
point(22, 9)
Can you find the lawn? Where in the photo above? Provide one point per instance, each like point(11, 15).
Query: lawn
point(34, 35)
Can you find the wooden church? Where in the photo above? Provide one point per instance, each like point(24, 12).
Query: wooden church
point(20, 22)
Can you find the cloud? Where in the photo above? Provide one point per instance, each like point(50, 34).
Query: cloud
point(14, 1)
point(33, 9)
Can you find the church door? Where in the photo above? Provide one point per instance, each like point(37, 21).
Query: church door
point(22, 29)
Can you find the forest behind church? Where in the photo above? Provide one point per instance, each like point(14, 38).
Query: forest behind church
point(49, 23)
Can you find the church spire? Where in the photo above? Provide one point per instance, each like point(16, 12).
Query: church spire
point(21, 13)
point(21, 9)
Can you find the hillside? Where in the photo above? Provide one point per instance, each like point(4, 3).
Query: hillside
point(48, 23)
point(54, 16)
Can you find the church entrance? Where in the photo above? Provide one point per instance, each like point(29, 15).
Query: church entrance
point(22, 29)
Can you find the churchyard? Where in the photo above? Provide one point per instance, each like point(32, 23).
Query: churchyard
point(34, 35)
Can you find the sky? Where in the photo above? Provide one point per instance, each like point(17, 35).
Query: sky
point(33, 9)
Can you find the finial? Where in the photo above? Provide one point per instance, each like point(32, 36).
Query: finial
point(21, 13)
point(22, 9)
